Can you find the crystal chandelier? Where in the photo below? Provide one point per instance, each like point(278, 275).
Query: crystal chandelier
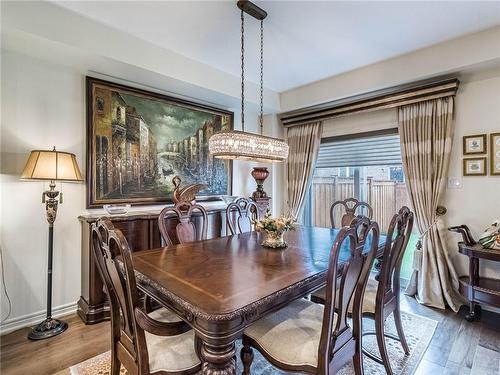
point(240, 145)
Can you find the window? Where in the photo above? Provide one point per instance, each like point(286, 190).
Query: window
point(368, 168)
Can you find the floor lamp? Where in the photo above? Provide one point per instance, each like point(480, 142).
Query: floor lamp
point(51, 166)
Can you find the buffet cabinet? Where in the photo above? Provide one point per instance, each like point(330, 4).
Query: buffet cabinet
point(142, 233)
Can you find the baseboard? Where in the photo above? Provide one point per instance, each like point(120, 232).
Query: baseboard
point(14, 324)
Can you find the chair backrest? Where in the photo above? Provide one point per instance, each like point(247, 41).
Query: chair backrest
point(240, 215)
point(351, 206)
point(183, 229)
point(398, 236)
point(361, 237)
point(118, 277)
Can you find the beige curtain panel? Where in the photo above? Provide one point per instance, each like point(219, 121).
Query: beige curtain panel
point(426, 132)
point(304, 142)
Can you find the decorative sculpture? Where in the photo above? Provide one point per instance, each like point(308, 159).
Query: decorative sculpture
point(186, 193)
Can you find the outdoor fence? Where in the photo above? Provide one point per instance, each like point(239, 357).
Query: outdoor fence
point(385, 197)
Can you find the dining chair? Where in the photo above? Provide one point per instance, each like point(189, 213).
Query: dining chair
point(382, 295)
point(351, 207)
point(312, 338)
point(240, 215)
point(144, 343)
point(185, 230)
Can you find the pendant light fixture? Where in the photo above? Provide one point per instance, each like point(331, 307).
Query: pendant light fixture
point(235, 144)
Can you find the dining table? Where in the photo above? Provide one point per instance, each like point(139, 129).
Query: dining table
point(222, 285)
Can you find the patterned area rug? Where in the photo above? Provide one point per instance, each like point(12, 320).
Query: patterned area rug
point(418, 331)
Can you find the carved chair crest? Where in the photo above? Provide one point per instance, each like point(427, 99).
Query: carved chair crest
point(185, 230)
point(351, 206)
point(240, 215)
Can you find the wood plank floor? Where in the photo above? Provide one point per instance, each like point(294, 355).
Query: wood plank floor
point(457, 348)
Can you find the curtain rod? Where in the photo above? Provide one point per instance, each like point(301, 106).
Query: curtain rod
point(375, 100)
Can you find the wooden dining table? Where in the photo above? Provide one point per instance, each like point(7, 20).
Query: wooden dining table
point(220, 286)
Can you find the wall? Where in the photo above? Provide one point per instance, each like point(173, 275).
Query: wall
point(477, 203)
point(473, 51)
point(42, 106)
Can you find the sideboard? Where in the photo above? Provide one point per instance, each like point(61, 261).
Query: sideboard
point(142, 233)
point(140, 228)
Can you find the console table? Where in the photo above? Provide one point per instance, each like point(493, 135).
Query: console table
point(475, 288)
point(140, 228)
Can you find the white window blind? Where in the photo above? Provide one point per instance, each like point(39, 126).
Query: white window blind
point(360, 152)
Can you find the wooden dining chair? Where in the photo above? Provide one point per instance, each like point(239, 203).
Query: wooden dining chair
point(352, 207)
point(382, 295)
point(155, 343)
point(312, 338)
point(240, 215)
point(185, 230)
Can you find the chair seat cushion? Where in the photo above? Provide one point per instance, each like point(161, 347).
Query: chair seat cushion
point(170, 353)
point(368, 299)
point(291, 335)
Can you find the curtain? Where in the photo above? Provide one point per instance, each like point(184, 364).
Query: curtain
point(426, 132)
point(304, 142)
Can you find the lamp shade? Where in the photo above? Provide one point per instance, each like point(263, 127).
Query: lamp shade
point(51, 165)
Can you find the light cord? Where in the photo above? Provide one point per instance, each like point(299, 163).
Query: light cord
point(261, 119)
point(242, 71)
point(4, 287)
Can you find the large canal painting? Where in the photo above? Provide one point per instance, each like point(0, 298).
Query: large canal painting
point(139, 140)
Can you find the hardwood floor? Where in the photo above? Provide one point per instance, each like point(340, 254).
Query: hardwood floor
point(19, 356)
point(457, 348)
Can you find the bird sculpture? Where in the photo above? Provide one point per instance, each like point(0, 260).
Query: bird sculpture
point(186, 193)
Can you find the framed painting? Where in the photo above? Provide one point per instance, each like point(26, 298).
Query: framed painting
point(495, 154)
point(137, 141)
point(474, 144)
point(474, 167)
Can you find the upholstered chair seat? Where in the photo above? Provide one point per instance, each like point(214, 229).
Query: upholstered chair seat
point(170, 353)
point(291, 335)
point(368, 299)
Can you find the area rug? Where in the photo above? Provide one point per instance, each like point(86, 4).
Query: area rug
point(418, 331)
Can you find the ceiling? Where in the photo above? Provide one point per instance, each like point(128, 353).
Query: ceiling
point(305, 41)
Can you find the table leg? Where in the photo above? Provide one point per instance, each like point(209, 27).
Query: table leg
point(218, 358)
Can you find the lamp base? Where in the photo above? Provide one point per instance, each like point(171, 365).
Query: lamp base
point(48, 328)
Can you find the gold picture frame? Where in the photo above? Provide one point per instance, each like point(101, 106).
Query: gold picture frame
point(474, 166)
point(495, 154)
point(474, 144)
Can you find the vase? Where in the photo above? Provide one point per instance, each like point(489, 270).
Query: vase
point(259, 174)
point(274, 240)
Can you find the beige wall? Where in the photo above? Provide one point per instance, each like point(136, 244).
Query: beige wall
point(477, 203)
point(474, 51)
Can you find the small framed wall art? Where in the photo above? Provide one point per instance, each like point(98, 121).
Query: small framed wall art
point(495, 154)
point(474, 167)
point(474, 144)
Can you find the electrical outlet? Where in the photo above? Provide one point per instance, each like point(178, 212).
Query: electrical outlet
point(454, 182)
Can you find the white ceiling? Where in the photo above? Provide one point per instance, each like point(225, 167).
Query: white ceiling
point(305, 41)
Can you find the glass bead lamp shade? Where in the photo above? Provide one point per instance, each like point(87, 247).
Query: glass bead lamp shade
point(247, 146)
point(51, 165)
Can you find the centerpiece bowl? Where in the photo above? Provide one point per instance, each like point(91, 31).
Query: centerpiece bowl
point(273, 230)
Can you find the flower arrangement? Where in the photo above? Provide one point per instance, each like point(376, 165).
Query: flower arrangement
point(274, 229)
